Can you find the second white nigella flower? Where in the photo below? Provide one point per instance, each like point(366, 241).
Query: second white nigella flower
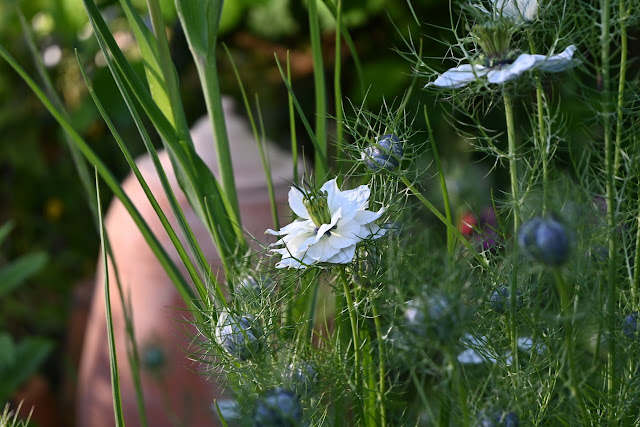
point(330, 225)
point(499, 64)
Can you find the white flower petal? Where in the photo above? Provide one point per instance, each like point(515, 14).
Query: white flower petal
point(345, 235)
point(557, 63)
point(470, 357)
point(350, 200)
point(372, 231)
point(295, 227)
point(365, 217)
point(305, 244)
point(460, 76)
point(505, 73)
point(324, 228)
point(344, 256)
point(289, 263)
point(296, 203)
point(321, 251)
point(331, 187)
point(517, 9)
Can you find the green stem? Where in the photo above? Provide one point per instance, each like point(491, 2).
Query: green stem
point(515, 194)
point(381, 365)
point(513, 164)
point(443, 219)
point(337, 84)
point(443, 185)
point(543, 143)
point(292, 125)
point(567, 315)
point(605, 42)
point(635, 289)
point(624, 43)
point(513, 326)
point(457, 382)
point(355, 335)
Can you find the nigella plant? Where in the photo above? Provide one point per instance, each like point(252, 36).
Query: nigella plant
point(331, 224)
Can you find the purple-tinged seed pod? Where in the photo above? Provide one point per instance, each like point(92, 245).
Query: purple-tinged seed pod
point(544, 239)
point(238, 335)
point(631, 327)
point(386, 153)
point(501, 300)
point(278, 408)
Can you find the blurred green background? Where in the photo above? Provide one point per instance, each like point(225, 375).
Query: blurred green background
point(39, 188)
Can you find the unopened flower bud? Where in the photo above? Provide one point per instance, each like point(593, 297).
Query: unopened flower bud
point(545, 240)
point(501, 300)
point(436, 315)
point(238, 335)
point(153, 358)
point(278, 407)
point(630, 326)
point(386, 153)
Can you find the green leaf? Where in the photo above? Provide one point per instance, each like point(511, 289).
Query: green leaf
point(29, 355)
point(113, 360)
point(14, 274)
point(7, 351)
point(160, 72)
point(158, 250)
point(195, 178)
point(5, 230)
point(200, 20)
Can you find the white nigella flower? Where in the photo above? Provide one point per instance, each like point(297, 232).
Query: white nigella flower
point(330, 225)
point(499, 64)
point(477, 350)
point(518, 10)
point(502, 72)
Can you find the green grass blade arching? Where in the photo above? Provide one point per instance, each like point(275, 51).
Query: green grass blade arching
point(260, 141)
point(76, 156)
point(113, 359)
point(305, 122)
point(200, 21)
point(320, 164)
point(161, 75)
point(194, 247)
point(195, 178)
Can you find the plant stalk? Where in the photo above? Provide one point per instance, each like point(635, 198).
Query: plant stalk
point(567, 316)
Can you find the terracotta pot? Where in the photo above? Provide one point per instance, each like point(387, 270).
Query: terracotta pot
point(177, 392)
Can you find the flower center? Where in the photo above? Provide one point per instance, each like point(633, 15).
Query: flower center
point(494, 37)
point(318, 208)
